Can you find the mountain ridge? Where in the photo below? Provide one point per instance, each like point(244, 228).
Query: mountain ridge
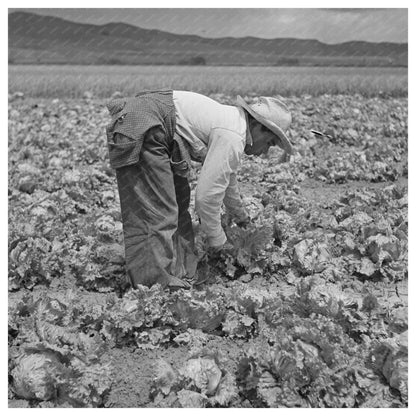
point(40, 39)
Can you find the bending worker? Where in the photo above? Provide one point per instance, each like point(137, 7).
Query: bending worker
point(152, 139)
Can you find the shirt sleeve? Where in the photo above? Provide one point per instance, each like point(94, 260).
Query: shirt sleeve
point(233, 202)
point(225, 148)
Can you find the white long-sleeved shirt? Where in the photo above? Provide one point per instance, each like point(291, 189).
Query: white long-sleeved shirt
point(217, 135)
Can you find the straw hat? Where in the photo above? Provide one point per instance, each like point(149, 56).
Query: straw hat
point(274, 115)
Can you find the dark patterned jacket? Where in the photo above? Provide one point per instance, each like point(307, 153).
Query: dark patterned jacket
point(133, 117)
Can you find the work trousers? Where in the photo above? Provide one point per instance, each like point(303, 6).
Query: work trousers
point(157, 226)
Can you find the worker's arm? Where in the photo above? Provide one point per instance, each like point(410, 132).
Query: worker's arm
point(225, 148)
point(233, 202)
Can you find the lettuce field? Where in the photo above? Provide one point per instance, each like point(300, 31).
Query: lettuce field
point(309, 307)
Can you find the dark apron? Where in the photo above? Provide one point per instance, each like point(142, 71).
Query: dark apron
point(151, 171)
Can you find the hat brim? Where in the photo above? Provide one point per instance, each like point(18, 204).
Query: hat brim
point(284, 141)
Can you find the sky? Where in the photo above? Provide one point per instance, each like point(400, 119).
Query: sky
point(325, 25)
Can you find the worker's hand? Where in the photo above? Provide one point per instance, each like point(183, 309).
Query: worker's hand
point(216, 251)
point(244, 222)
point(284, 158)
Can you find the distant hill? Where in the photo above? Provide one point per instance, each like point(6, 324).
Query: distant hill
point(36, 39)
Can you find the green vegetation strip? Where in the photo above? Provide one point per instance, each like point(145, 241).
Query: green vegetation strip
point(56, 81)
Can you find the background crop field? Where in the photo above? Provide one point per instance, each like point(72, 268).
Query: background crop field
point(103, 81)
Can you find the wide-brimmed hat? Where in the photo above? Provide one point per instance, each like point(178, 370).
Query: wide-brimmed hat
point(274, 115)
